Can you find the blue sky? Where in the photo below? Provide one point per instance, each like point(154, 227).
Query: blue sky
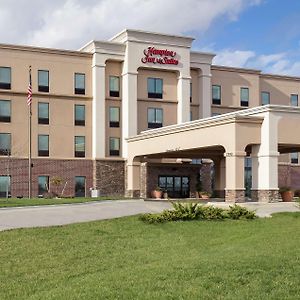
point(260, 34)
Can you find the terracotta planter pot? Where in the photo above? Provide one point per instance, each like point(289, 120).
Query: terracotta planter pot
point(157, 194)
point(287, 196)
point(205, 197)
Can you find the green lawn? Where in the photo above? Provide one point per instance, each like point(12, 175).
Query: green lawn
point(127, 259)
point(14, 202)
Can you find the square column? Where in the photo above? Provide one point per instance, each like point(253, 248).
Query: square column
point(204, 84)
point(132, 179)
point(183, 95)
point(129, 108)
point(220, 173)
point(98, 111)
point(235, 177)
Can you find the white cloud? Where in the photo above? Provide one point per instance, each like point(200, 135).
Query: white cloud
point(233, 58)
point(70, 23)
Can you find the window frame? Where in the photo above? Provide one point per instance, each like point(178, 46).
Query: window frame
point(216, 101)
point(114, 152)
point(114, 93)
point(6, 119)
point(42, 152)
point(291, 97)
point(244, 103)
point(78, 153)
point(78, 122)
point(6, 85)
point(40, 192)
point(41, 120)
point(155, 124)
point(155, 94)
point(114, 124)
point(6, 151)
point(76, 193)
point(43, 88)
point(7, 192)
point(79, 91)
point(265, 93)
point(294, 160)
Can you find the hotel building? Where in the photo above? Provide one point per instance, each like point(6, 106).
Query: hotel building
point(141, 110)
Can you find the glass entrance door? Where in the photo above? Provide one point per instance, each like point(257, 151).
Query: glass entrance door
point(176, 186)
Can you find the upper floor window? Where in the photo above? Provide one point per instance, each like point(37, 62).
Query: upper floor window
point(43, 113)
point(5, 144)
point(114, 86)
point(155, 88)
point(114, 146)
point(244, 96)
point(79, 115)
point(294, 100)
point(43, 145)
point(265, 98)
point(216, 94)
point(79, 83)
point(5, 110)
point(114, 116)
point(79, 146)
point(5, 78)
point(294, 157)
point(43, 81)
point(155, 117)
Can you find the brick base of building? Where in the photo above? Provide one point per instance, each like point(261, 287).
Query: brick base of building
point(235, 195)
point(133, 194)
point(265, 196)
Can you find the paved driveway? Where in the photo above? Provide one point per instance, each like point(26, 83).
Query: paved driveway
point(73, 213)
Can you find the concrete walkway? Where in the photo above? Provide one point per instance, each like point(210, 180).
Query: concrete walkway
point(51, 215)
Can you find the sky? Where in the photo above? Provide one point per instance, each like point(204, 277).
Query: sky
point(259, 34)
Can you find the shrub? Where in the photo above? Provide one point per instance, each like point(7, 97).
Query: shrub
point(237, 212)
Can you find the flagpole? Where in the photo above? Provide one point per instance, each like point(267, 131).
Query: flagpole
point(29, 100)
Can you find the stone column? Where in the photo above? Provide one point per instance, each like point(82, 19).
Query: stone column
point(133, 179)
point(220, 177)
point(235, 176)
point(265, 162)
point(98, 110)
point(183, 95)
point(129, 108)
point(204, 84)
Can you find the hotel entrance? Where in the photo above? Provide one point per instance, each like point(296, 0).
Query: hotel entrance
point(176, 186)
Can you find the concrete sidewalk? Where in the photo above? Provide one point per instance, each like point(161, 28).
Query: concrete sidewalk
point(51, 215)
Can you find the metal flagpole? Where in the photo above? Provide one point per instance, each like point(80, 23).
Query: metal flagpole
point(29, 100)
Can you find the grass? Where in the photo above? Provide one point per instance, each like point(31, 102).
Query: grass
point(14, 202)
point(127, 259)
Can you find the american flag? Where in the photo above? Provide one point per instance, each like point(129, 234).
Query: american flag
point(29, 95)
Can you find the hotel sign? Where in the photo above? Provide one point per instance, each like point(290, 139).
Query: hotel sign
point(159, 56)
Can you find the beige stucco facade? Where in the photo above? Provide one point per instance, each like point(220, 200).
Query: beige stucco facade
point(226, 132)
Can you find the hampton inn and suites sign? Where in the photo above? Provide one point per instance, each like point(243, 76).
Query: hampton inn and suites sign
point(159, 56)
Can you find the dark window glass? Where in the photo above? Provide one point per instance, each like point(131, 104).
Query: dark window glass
point(244, 96)
point(216, 94)
point(79, 83)
point(5, 78)
point(114, 86)
point(43, 185)
point(79, 186)
point(114, 146)
point(79, 115)
point(43, 145)
point(155, 88)
point(155, 117)
point(43, 81)
point(294, 157)
point(265, 98)
point(114, 117)
point(79, 146)
point(43, 113)
point(5, 143)
point(5, 110)
point(294, 100)
point(5, 186)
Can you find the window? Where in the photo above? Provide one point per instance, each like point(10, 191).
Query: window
point(79, 146)
point(114, 117)
point(43, 113)
point(155, 117)
point(5, 186)
point(79, 186)
point(5, 110)
point(5, 144)
point(79, 115)
point(43, 81)
point(114, 146)
point(244, 96)
point(294, 100)
point(114, 86)
point(265, 98)
point(216, 94)
point(155, 88)
point(294, 157)
point(5, 78)
point(79, 83)
point(43, 145)
point(43, 185)
point(191, 92)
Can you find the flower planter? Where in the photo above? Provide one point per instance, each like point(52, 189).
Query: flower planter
point(156, 194)
point(287, 196)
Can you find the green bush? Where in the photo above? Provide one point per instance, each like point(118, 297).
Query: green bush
point(196, 211)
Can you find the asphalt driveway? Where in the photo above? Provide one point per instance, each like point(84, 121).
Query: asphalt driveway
point(52, 215)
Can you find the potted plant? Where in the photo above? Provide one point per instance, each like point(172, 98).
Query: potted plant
point(157, 193)
point(286, 193)
point(205, 195)
point(165, 194)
